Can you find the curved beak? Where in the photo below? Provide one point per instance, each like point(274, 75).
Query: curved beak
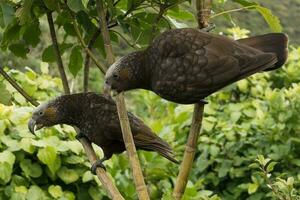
point(33, 126)
point(107, 90)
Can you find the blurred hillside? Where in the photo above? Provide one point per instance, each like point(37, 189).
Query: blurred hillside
point(288, 12)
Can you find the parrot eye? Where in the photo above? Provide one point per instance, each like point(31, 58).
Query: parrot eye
point(41, 113)
point(115, 75)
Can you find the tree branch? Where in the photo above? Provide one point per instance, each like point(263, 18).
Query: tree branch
point(18, 88)
point(84, 46)
point(122, 112)
point(203, 12)
point(57, 53)
point(87, 60)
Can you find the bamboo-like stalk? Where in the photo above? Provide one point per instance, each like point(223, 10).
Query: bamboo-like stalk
point(122, 112)
point(203, 11)
point(88, 59)
point(108, 185)
point(60, 64)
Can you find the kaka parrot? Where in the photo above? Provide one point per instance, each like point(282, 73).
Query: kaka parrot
point(97, 118)
point(186, 65)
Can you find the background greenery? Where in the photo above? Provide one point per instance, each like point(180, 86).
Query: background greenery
point(249, 143)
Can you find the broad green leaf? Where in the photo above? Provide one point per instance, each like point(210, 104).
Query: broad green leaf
point(31, 169)
point(252, 187)
point(24, 12)
point(7, 156)
point(5, 172)
point(55, 191)
point(32, 34)
point(35, 193)
point(7, 13)
point(52, 4)
point(76, 61)
point(5, 96)
point(87, 176)
point(75, 5)
point(67, 175)
point(19, 50)
point(48, 156)
point(271, 19)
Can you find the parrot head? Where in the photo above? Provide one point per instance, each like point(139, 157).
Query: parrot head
point(45, 115)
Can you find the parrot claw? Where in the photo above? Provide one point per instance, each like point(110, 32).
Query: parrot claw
point(210, 27)
point(98, 163)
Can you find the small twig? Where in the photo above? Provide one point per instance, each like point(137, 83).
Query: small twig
point(203, 12)
point(230, 11)
point(18, 88)
point(127, 42)
point(122, 112)
point(87, 60)
point(84, 46)
point(57, 53)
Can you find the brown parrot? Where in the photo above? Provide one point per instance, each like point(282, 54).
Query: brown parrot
point(97, 118)
point(186, 65)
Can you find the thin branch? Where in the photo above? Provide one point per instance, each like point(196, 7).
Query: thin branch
point(203, 12)
point(127, 42)
point(230, 11)
point(87, 60)
point(84, 46)
point(122, 112)
point(18, 88)
point(57, 53)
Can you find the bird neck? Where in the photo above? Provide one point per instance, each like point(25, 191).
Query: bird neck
point(71, 110)
point(141, 72)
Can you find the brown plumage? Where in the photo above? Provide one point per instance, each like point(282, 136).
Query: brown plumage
point(187, 65)
point(97, 119)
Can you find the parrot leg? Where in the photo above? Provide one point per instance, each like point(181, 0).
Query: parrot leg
point(210, 27)
point(203, 101)
point(81, 135)
point(98, 163)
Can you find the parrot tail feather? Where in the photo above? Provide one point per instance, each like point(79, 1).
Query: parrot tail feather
point(270, 43)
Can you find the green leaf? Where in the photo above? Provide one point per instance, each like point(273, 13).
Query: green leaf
point(67, 175)
point(52, 4)
point(252, 187)
point(7, 13)
point(76, 61)
point(10, 34)
point(5, 96)
point(24, 12)
point(272, 20)
point(55, 191)
point(5, 172)
point(32, 34)
point(35, 193)
point(26, 145)
point(271, 166)
point(75, 5)
point(19, 50)
point(7, 156)
point(31, 169)
point(87, 176)
point(48, 54)
point(49, 157)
